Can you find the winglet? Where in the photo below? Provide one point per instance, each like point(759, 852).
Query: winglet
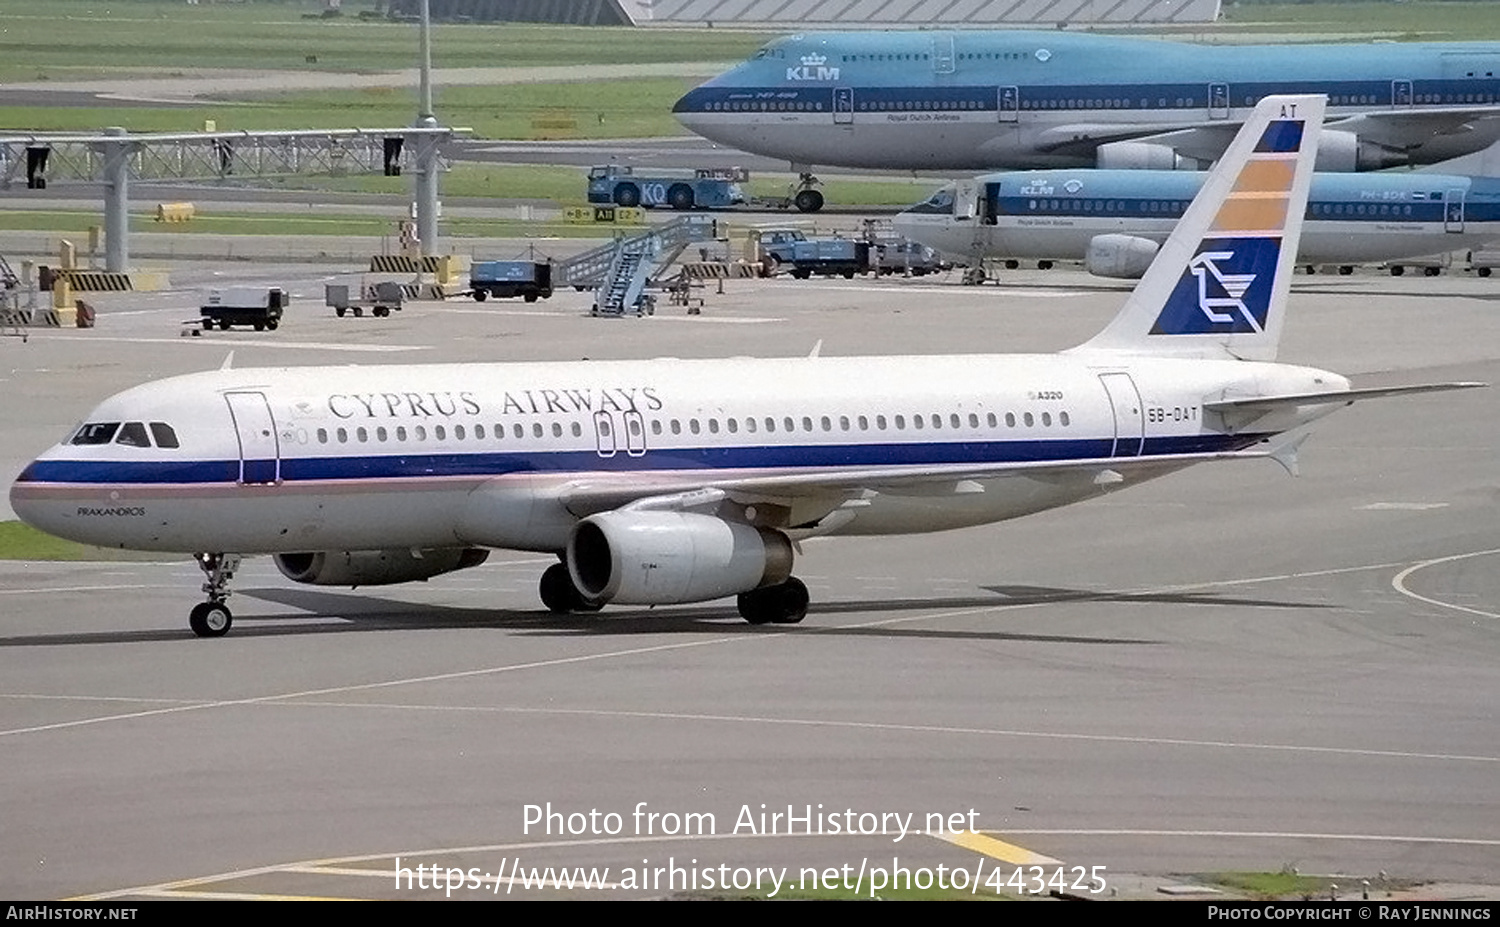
point(1218, 287)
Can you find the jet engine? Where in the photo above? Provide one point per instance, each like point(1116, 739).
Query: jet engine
point(376, 567)
point(1143, 156)
point(1122, 256)
point(1345, 152)
point(661, 558)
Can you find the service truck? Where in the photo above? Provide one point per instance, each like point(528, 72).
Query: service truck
point(829, 257)
point(259, 307)
point(508, 279)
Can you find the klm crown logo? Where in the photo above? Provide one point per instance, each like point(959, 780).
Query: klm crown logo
point(813, 67)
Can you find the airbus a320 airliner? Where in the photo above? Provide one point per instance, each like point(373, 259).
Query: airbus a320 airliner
point(982, 101)
point(671, 481)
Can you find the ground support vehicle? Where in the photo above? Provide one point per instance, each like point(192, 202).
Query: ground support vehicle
point(829, 257)
point(509, 279)
point(380, 298)
point(258, 307)
point(685, 189)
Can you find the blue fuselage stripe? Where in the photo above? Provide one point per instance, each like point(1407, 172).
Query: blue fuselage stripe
point(500, 463)
point(1136, 97)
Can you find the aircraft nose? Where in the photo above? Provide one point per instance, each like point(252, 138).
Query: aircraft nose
point(29, 503)
point(689, 108)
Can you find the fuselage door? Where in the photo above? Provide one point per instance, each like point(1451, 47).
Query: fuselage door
point(942, 53)
point(635, 434)
point(260, 450)
point(965, 199)
point(1008, 103)
point(1453, 210)
point(1130, 420)
point(991, 211)
point(1401, 93)
point(843, 106)
point(604, 434)
point(1218, 101)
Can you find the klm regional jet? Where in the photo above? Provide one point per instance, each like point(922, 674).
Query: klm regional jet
point(976, 101)
point(1114, 221)
point(670, 481)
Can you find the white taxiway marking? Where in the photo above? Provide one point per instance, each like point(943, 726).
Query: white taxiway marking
point(1398, 582)
point(256, 342)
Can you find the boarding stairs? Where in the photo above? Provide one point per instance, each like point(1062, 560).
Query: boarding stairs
point(11, 315)
point(624, 286)
point(592, 268)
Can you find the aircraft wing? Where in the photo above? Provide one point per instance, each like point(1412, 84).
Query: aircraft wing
point(804, 498)
point(1409, 129)
point(1204, 142)
point(1395, 129)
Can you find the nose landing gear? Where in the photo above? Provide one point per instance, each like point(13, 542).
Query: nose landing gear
point(212, 618)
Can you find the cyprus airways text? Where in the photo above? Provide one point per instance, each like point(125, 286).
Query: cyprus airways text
point(763, 820)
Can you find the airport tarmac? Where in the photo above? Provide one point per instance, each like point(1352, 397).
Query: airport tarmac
point(1225, 670)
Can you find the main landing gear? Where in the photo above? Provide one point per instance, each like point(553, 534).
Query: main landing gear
point(560, 595)
point(784, 603)
point(212, 618)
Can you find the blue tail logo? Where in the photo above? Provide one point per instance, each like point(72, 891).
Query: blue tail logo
point(1225, 289)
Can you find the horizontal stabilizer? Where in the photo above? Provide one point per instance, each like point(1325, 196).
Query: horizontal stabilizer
point(1272, 403)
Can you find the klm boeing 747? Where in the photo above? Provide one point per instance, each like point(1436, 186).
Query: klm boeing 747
point(1114, 221)
point(672, 481)
point(975, 101)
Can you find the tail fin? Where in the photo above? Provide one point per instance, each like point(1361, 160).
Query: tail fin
point(1218, 287)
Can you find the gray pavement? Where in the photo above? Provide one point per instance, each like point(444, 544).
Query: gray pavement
point(1227, 669)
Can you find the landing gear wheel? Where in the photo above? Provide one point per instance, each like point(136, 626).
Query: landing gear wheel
point(210, 619)
point(808, 201)
point(271, 325)
point(340, 310)
point(973, 276)
point(560, 595)
point(781, 604)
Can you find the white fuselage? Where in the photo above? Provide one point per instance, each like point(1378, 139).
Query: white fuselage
point(497, 455)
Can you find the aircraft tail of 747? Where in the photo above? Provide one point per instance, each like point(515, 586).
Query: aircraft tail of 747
point(1218, 287)
point(671, 481)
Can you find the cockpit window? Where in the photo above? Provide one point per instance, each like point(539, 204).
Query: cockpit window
point(164, 435)
point(133, 434)
point(940, 202)
point(96, 433)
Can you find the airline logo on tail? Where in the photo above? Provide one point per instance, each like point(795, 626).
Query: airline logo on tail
point(1227, 287)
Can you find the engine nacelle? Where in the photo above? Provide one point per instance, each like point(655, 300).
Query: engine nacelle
point(376, 567)
point(662, 558)
point(1122, 256)
point(1142, 156)
point(1345, 152)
